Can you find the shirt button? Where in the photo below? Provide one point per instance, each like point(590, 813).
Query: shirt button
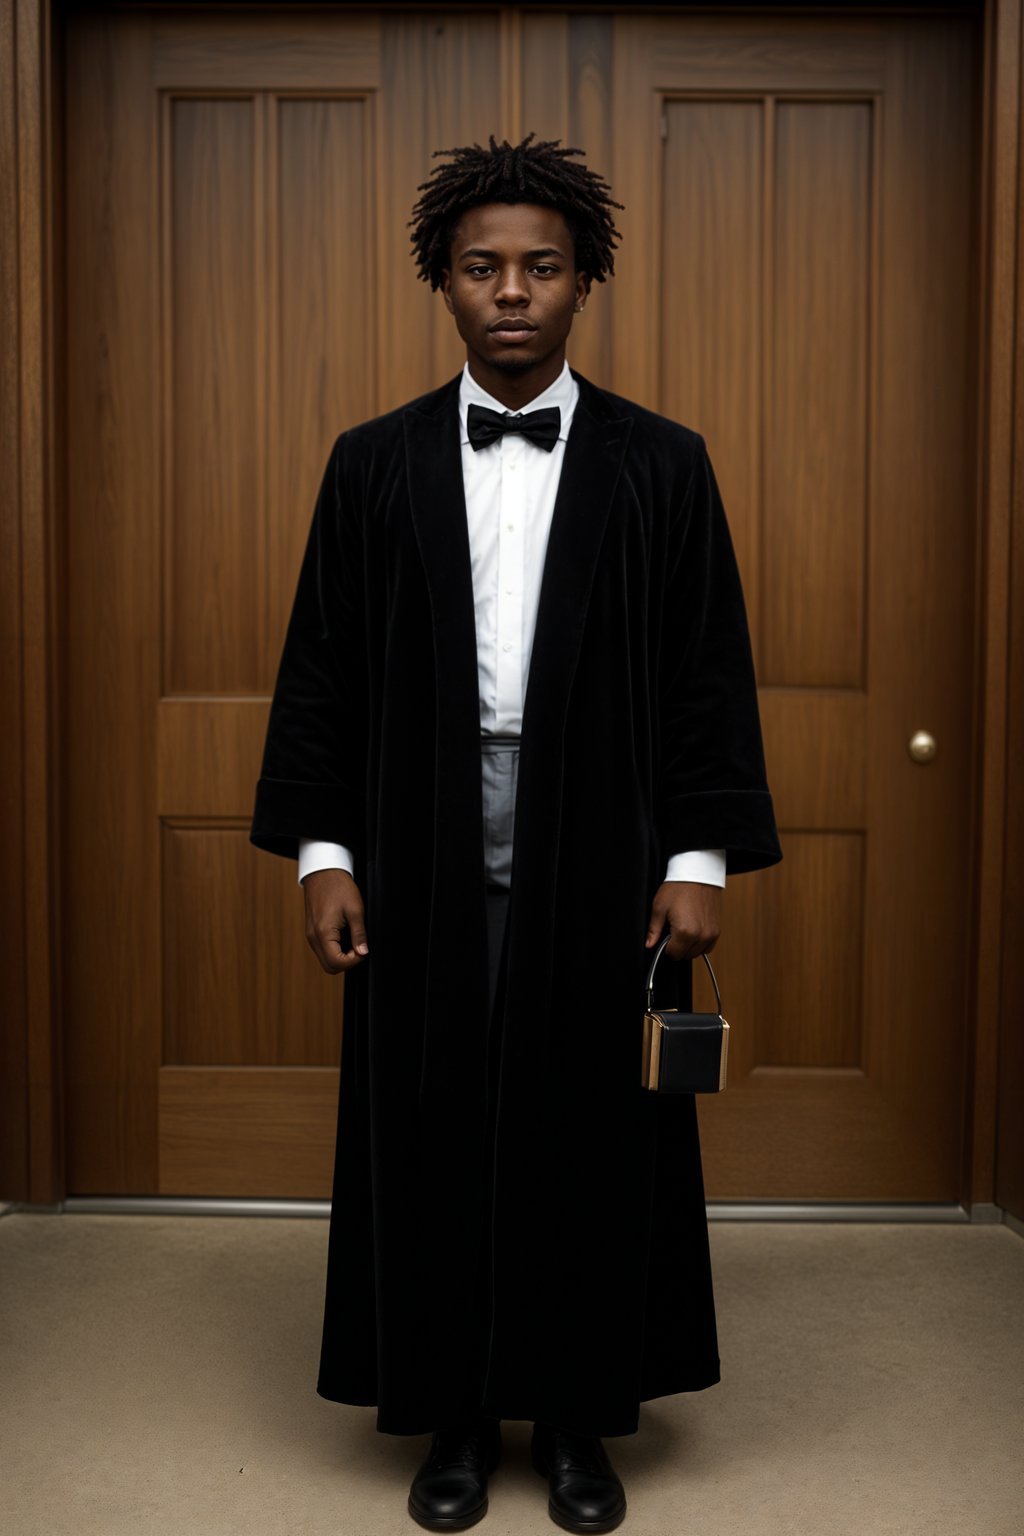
point(511, 527)
point(509, 591)
point(506, 647)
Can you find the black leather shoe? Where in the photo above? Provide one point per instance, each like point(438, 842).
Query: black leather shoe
point(449, 1491)
point(586, 1494)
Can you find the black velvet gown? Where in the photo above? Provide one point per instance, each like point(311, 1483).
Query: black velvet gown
point(516, 1223)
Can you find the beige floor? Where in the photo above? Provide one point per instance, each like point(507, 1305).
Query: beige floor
point(157, 1376)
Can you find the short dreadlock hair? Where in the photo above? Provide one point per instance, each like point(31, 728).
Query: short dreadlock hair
point(506, 173)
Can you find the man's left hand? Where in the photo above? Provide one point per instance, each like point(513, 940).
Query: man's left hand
point(693, 912)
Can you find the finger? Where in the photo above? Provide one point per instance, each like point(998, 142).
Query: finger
point(325, 942)
point(338, 958)
point(686, 944)
point(656, 926)
point(349, 959)
point(355, 917)
point(326, 946)
point(682, 944)
point(679, 946)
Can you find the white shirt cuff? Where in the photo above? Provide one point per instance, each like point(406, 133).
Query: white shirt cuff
point(705, 865)
point(315, 855)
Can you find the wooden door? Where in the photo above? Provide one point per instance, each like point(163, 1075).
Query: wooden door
point(805, 299)
point(794, 282)
point(240, 289)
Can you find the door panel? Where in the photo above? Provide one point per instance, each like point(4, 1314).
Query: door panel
point(794, 281)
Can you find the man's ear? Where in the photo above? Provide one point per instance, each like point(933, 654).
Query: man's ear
point(446, 290)
point(582, 288)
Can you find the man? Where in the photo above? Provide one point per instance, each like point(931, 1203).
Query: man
point(514, 736)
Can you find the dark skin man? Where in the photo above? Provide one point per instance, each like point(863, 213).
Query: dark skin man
point(513, 290)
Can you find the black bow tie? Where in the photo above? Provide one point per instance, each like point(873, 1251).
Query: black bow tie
point(540, 427)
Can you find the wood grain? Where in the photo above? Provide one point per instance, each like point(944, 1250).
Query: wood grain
point(711, 276)
point(241, 985)
point(218, 1124)
point(208, 751)
point(112, 921)
point(817, 446)
point(215, 307)
point(14, 750)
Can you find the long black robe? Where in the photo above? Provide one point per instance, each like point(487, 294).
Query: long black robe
point(515, 1220)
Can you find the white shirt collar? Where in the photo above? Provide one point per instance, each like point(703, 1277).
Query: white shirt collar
point(564, 393)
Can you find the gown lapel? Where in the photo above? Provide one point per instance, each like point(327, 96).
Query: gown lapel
point(438, 505)
point(594, 455)
point(594, 452)
point(456, 980)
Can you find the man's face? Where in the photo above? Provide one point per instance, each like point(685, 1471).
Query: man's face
point(512, 286)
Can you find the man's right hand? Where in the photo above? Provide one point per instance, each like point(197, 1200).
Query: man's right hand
point(334, 903)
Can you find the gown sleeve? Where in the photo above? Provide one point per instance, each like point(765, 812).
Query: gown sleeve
point(712, 789)
point(313, 774)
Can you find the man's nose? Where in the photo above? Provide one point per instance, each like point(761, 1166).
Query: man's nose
point(512, 288)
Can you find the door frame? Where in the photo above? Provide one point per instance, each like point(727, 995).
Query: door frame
point(32, 503)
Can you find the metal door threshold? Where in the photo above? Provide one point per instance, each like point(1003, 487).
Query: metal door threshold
point(720, 1210)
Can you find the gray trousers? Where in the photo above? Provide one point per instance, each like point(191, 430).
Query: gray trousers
point(499, 768)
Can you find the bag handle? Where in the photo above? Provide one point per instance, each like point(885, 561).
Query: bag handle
point(650, 975)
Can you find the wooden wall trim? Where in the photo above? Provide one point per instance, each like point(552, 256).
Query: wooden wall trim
point(999, 213)
point(13, 1038)
point(1009, 1108)
point(32, 1167)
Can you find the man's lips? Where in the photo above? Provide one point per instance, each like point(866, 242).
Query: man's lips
point(511, 325)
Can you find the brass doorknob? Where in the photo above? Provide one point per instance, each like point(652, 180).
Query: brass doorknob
point(921, 746)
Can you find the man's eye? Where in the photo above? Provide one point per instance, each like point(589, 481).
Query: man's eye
point(542, 268)
point(473, 271)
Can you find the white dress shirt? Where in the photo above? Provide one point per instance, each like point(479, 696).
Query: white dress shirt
point(510, 495)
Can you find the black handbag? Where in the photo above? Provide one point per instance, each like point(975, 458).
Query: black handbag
point(683, 1052)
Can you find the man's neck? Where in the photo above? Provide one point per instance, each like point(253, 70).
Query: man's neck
point(515, 390)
